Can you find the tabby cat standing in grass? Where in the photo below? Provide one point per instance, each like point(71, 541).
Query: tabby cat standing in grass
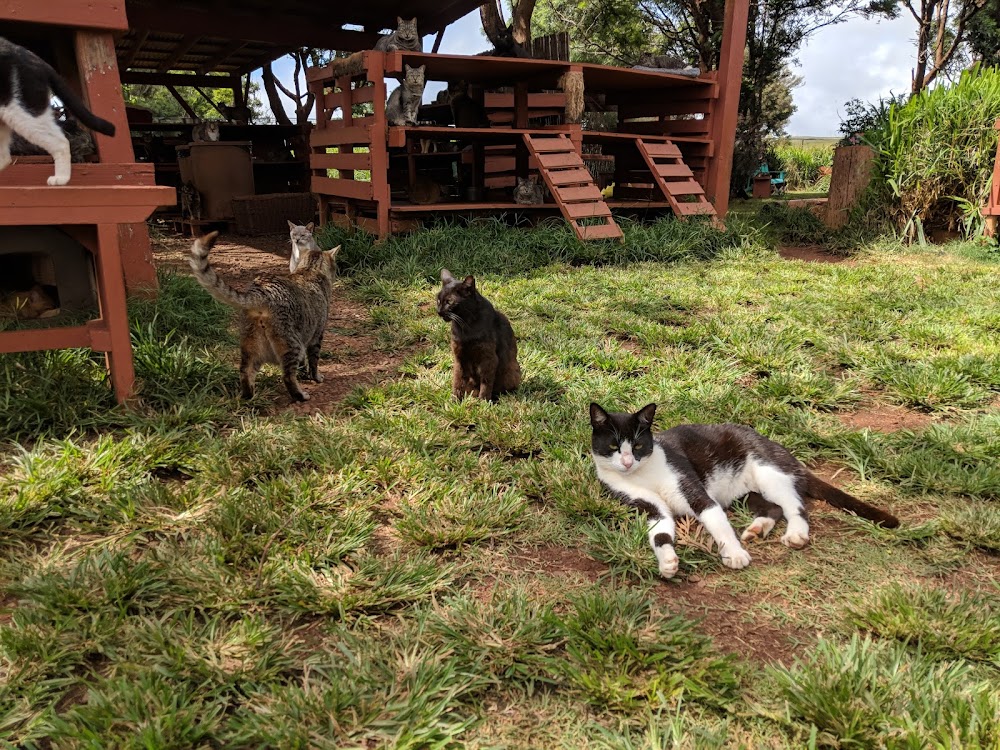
point(699, 470)
point(482, 341)
point(282, 318)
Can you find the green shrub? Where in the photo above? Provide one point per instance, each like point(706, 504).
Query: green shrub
point(936, 152)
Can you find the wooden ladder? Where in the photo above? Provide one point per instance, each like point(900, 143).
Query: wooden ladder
point(572, 186)
point(675, 179)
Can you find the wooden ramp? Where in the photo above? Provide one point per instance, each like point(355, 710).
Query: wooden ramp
point(675, 180)
point(572, 187)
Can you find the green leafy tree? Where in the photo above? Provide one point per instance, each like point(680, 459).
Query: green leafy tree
point(983, 34)
point(166, 108)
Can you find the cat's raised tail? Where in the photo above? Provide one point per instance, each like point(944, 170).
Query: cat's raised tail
point(75, 104)
point(817, 488)
point(208, 278)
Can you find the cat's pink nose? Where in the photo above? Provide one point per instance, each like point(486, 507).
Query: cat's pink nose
point(627, 461)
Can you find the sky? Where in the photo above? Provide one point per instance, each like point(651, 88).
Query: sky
point(860, 59)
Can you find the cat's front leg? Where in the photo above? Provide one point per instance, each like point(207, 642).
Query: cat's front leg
point(5, 136)
point(661, 539)
point(713, 518)
point(487, 377)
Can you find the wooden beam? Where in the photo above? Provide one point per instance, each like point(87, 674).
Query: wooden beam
point(437, 42)
point(72, 13)
point(281, 30)
point(210, 100)
point(137, 41)
point(734, 39)
point(184, 105)
point(224, 54)
point(183, 47)
point(176, 79)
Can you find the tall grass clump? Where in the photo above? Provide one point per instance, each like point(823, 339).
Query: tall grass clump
point(803, 164)
point(936, 152)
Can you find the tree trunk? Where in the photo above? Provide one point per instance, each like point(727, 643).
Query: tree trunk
point(493, 25)
point(521, 22)
point(273, 97)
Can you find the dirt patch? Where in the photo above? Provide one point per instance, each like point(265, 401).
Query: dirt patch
point(731, 621)
point(555, 560)
point(885, 418)
point(811, 254)
point(349, 358)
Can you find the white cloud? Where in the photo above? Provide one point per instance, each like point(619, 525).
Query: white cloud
point(855, 60)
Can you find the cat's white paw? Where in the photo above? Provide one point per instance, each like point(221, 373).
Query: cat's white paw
point(5, 161)
point(57, 180)
point(795, 540)
point(319, 378)
point(669, 563)
point(305, 396)
point(759, 529)
point(735, 558)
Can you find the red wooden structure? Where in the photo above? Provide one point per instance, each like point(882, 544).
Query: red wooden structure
point(672, 147)
point(992, 210)
point(105, 205)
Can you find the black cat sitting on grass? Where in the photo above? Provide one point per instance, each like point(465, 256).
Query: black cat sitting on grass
point(482, 341)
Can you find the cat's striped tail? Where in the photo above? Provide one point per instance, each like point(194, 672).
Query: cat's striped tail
point(816, 487)
point(208, 278)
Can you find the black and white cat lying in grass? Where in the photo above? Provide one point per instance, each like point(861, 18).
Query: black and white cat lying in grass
point(699, 470)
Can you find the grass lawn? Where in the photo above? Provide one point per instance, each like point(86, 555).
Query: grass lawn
point(407, 571)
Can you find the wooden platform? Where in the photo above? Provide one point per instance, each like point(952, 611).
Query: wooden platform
point(526, 106)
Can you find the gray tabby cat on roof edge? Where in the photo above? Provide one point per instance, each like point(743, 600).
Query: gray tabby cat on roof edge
point(27, 84)
point(405, 38)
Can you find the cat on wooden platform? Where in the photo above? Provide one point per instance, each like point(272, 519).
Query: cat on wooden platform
point(27, 85)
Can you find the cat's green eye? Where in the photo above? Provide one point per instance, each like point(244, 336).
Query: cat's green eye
point(614, 447)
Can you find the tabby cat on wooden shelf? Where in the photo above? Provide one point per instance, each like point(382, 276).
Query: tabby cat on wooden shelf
point(27, 84)
point(529, 191)
point(482, 341)
point(699, 470)
point(282, 318)
point(404, 102)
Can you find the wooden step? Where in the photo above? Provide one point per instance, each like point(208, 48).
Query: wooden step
point(571, 177)
point(600, 232)
point(578, 194)
point(686, 187)
point(572, 186)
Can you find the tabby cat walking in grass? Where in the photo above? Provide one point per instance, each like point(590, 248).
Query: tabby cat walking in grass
point(282, 317)
point(482, 341)
point(699, 470)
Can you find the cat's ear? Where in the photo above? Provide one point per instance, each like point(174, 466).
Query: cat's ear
point(646, 415)
point(310, 226)
point(399, 21)
point(598, 417)
point(446, 276)
point(421, 69)
point(291, 224)
point(470, 282)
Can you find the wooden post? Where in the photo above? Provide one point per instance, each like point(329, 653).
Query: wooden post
point(720, 168)
point(993, 209)
point(852, 169)
point(98, 66)
point(113, 310)
point(521, 121)
point(377, 65)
